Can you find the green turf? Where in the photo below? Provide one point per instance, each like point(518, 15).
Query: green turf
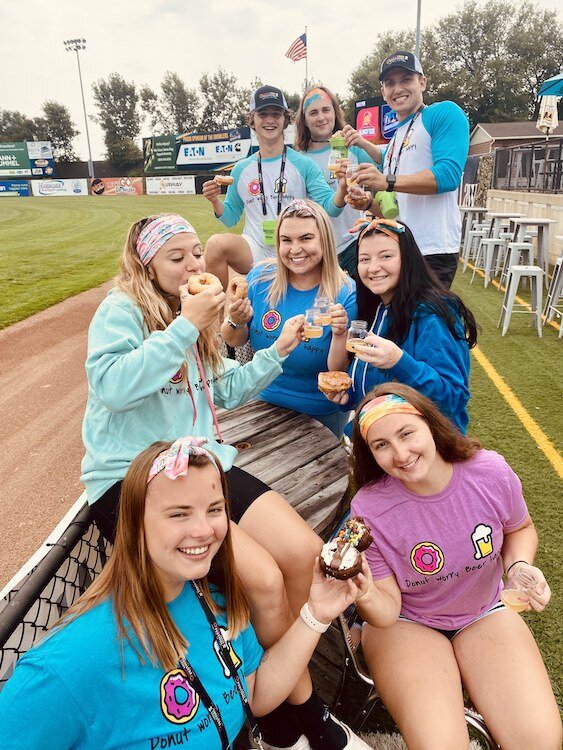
point(53, 248)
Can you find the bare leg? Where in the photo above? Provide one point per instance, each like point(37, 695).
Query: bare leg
point(505, 676)
point(264, 585)
point(224, 250)
point(416, 674)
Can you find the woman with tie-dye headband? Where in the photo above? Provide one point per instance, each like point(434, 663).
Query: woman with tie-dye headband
point(159, 651)
point(154, 369)
point(419, 332)
point(447, 518)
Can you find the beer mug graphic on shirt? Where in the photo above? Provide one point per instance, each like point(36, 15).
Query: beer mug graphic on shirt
point(482, 539)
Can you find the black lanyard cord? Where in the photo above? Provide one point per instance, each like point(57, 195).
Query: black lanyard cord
point(405, 142)
point(280, 183)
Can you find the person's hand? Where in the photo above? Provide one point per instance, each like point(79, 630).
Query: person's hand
point(353, 138)
point(358, 198)
point(378, 351)
point(201, 309)
point(338, 320)
point(328, 597)
point(291, 335)
point(211, 190)
point(240, 311)
point(541, 594)
point(364, 581)
point(370, 176)
point(341, 397)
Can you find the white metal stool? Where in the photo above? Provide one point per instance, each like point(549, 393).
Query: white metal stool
point(488, 254)
point(554, 292)
point(515, 274)
point(518, 253)
point(475, 237)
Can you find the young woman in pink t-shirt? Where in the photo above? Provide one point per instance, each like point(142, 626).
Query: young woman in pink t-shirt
point(447, 518)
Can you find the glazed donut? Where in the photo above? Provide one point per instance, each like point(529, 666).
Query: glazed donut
point(333, 382)
point(238, 288)
point(427, 558)
point(179, 713)
point(224, 179)
point(199, 282)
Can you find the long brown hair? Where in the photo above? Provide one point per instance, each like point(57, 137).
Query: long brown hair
point(132, 583)
point(332, 276)
point(451, 444)
point(133, 279)
point(302, 132)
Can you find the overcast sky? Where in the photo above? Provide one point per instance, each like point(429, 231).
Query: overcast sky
point(142, 39)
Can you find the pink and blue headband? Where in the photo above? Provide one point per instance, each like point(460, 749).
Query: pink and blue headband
point(175, 461)
point(154, 234)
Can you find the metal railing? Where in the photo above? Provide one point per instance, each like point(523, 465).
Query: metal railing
point(533, 167)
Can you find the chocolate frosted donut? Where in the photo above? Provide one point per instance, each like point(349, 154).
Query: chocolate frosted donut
point(340, 559)
point(357, 533)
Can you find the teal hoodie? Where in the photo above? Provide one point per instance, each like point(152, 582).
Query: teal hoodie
point(136, 394)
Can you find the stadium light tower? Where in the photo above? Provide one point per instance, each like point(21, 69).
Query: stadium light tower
point(75, 45)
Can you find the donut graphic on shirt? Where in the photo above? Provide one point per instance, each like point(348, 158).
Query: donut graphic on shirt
point(178, 377)
point(178, 699)
point(271, 320)
point(427, 558)
point(254, 187)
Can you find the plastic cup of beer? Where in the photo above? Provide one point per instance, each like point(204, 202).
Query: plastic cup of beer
point(334, 163)
point(356, 334)
point(323, 304)
point(517, 590)
point(351, 171)
point(313, 328)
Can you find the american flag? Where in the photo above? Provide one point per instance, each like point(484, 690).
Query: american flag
point(298, 49)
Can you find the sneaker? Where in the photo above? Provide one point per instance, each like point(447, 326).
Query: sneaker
point(353, 741)
point(301, 744)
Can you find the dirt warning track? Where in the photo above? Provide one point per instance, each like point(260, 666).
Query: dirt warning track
point(42, 399)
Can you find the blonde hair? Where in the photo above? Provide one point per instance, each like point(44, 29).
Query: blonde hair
point(131, 581)
point(302, 132)
point(133, 279)
point(332, 276)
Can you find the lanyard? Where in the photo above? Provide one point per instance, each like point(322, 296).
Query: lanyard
point(405, 141)
point(280, 182)
point(379, 320)
point(204, 695)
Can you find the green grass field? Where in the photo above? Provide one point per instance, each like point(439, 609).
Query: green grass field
point(53, 248)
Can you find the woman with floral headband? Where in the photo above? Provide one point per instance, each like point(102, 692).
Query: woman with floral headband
point(318, 117)
point(305, 267)
point(159, 652)
point(154, 368)
point(447, 518)
point(420, 333)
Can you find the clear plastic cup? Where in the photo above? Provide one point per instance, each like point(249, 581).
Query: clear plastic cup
point(356, 334)
point(313, 328)
point(518, 588)
point(323, 305)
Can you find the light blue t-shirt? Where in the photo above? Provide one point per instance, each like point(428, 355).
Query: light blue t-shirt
point(341, 224)
point(72, 690)
point(296, 388)
point(302, 179)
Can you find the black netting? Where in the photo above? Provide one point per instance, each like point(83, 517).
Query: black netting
point(49, 589)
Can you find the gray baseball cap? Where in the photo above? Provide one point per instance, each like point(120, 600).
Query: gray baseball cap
point(267, 96)
point(401, 59)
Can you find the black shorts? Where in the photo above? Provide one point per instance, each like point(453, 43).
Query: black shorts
point(244, 489)
point(444, 266)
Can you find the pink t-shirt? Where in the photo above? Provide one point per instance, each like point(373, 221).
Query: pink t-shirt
point(444, 549)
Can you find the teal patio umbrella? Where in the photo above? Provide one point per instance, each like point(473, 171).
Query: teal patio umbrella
point(552, 87)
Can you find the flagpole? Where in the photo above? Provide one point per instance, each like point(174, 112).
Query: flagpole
point(306, 60)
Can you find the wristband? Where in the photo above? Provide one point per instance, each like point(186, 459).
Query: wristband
point(311, 621)
point(230, 322)
point(515, 563)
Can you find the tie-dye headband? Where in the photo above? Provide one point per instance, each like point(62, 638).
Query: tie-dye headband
point(154, 234)
point(296, 206)
point(313, 96)
point(380, 407)
point(174, 462)
point(390, 227)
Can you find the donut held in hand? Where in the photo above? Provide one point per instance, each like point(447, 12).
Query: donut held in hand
point(199, 282)
point(341, 558)
point(224, 179)
point(334, 382)
point(238, 288)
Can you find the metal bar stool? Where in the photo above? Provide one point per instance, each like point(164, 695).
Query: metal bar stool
point(517, 253)
point(515, 274)
point(554, 292)
point(475, 236)
point(488, 255)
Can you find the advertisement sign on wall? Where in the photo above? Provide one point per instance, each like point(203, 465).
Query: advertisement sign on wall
point(208, 150)
point(14, 187)
point(375, 120)
point(51, 188)
point(14, 160)
point(175, 185)
point(41, 158)
point(117, 186)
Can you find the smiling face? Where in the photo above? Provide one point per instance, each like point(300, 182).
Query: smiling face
point(268, 124)
point(185, 524)
point(402, 90)
point(320, 119)
point(300, 249)
point(403, 446)
point(179, 258)
point(379, 265)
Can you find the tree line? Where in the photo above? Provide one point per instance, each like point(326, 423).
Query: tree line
point(489, 57)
